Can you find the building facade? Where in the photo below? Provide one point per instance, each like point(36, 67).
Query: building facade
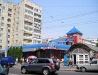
point(90, 41)
point(46, 40)
point(20, 24)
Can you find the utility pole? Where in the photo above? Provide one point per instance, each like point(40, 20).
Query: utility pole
point(6, 41)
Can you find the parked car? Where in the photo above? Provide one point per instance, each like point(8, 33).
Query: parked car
point(9, 60)
point(4, 71)
point(45, 66)
point(57, 64)
point(93, 66)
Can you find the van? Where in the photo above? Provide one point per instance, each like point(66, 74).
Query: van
point(10, 61)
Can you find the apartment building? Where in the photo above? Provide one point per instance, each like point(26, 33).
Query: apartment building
point(46, 40)
point(20, 24)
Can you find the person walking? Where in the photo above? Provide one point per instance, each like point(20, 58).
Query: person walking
point(16, 61)
point(62, 62)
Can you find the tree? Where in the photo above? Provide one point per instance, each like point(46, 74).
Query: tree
point(96, 44)
point(15, 51)
point(38, 53)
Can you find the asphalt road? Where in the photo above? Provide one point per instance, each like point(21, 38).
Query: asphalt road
point(16, 71)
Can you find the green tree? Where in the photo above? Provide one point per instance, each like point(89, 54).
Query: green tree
point(38, 53)
point(20, 52)
point(15, 51)
point(10, 51)
point(96, 44)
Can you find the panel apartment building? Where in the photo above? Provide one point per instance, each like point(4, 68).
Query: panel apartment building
point(20, 24)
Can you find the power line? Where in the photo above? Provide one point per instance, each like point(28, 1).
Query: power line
point(70, 17)
point(66, 25)
point(69, 6)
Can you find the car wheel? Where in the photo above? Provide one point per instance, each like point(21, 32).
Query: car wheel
point(46, 71)
point(23, 70)
point(83, 69)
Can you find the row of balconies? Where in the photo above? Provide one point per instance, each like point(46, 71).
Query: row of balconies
point(27, 37)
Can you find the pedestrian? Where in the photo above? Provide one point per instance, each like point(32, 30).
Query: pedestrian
point(21, 61)
point(62, 61)
point(16, 60)
point(27, 60)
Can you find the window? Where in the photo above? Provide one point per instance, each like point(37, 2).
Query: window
point(86, 56)
point(16, 41)
point(8, 36)
point(47, 61)
point(34, 61)
point(3, 7)
point(43, 61)
point(2, 18)
point(8, 42)
point(9, 9)
point(2, 24)
point(16, 35)
point(9, 15)
point(94, 62)
point(28, 17)
point(8, 25)
point(0, 5)
point(30, 7)
point(9, 20)
point(1, 29)
point(0, 41)
point(30, 29)
point(35, 9)
point(9, 30)
point(0, 47)
point(80, 56)
point(1, 35)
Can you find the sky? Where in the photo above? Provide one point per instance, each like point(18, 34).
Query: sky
point(59, 16)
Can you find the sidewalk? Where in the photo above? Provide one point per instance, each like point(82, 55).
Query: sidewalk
point(68, 68)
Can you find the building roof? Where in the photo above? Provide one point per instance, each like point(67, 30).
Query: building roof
point(84, 46)
point(73, 31)
point(59, 40)
point(92, 47)
point(45, 45)
point(63, 47)
point(34, 46)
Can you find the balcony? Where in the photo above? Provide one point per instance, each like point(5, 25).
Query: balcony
point(31, 21)
point(28, 37)
point(26, 43)
point(37, 17)
point(27, 31)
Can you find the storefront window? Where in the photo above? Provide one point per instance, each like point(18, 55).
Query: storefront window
point(80, 56)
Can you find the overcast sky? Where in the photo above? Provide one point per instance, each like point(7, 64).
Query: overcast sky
point(59, 16)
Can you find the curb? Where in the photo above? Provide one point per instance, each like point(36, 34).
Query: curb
point(67, 68)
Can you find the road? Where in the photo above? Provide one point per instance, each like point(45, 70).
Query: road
point(16, 71)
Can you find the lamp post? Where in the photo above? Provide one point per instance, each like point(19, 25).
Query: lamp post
point(6, 41)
